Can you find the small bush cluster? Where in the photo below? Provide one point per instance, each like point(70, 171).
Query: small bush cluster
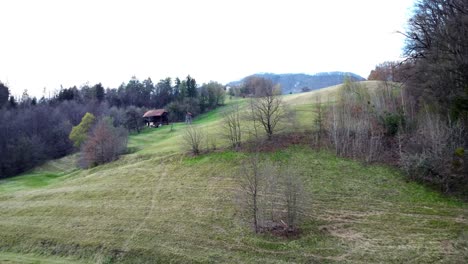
point(272, 196)
point(361, 120)
point(434, 153)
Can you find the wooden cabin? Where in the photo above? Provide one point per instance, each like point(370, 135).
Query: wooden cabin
point(156, 117)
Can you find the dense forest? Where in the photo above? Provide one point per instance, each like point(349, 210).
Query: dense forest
point(429, 117)
point(33, 131)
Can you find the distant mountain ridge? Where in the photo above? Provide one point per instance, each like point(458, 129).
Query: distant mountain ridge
point(299, 82)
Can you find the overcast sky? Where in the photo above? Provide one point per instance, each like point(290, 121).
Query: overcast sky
point(52, 43)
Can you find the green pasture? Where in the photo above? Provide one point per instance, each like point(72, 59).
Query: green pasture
point(158, 205)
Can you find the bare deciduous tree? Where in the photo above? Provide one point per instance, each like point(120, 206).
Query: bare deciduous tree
point(250, 116)
point(266, 107)
point(270, 194)
point(273, 196)
point(319, 121)
point(250, 183)
point(268, 110)
point(436, 39)
point(258, 86)
point(295, 197)
point(232, 125)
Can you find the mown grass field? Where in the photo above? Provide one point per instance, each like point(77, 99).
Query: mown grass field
point(156, 205)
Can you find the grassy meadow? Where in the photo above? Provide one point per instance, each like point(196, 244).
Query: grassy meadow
point(157, 205)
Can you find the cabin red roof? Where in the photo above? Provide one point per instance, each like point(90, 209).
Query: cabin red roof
point(155, 112)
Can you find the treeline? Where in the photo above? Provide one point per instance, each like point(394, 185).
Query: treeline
point(435, 72)
point(178, 96)
point(33, 131)
point(423, 125)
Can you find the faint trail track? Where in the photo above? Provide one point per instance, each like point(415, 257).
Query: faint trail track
point(156, 189)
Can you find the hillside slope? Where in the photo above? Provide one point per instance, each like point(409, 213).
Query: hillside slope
point(157, 205)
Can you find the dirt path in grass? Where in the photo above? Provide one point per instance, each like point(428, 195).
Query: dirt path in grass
point(157, 185)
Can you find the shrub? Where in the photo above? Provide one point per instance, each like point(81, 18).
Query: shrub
point(105, 144)
point(273, 196)
point(232, 126)
point(193, 138)
point(393, 122)
point(435, 153)
point(80, 132)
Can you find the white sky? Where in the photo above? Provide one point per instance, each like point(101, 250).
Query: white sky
point(48, 43)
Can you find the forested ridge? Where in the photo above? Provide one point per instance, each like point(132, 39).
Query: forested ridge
point(300, 82)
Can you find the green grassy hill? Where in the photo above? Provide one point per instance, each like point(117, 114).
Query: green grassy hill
point(156, 205)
